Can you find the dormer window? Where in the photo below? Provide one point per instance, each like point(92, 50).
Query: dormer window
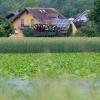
point(22, 23)
point(32, 22)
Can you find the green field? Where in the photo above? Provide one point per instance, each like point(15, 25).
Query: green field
point(65, 65)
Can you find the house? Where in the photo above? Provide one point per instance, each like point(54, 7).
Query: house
point(31, 16)
point(83, 16)
point(81, 19)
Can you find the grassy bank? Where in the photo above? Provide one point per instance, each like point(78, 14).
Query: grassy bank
point(30, 45)
point(64, 65)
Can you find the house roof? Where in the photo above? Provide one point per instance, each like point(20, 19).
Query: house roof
point(43, 14)
point(10, 14)
point(82, 16)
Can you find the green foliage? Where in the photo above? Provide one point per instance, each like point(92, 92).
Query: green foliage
point(28, 32)
point(65, 65)
point(29, 45)
point(92, 28)
point(6, 27)
point(95, 12)
point(29, 3)
point(89, 30)
point(13, 5)
point(68, 8)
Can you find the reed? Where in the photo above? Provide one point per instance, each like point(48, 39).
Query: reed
point(31, 45)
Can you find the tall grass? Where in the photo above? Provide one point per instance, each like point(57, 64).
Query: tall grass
point(40, 89)
point(24, 45)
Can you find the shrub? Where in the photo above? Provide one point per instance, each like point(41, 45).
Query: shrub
point(95, 12)
point(90, 30)
point(6, 27)
point(28, 31)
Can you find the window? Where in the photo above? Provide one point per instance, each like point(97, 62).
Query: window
point(22, 23)
point(32, 22)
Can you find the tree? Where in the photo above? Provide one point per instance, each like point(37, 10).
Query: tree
point(95, 12)
point(25, 3)
point(6, 27)
point(68, 8)
point(92, 27)
point(90, 30)
point(13, 5)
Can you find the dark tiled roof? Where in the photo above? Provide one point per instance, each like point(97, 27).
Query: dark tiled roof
point(10, 14)
point(43, 14)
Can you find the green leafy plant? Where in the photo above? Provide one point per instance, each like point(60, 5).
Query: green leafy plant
point(50, 65)
point(6, 28)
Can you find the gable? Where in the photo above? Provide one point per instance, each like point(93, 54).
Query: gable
point(21, 13)
point(27, 17)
